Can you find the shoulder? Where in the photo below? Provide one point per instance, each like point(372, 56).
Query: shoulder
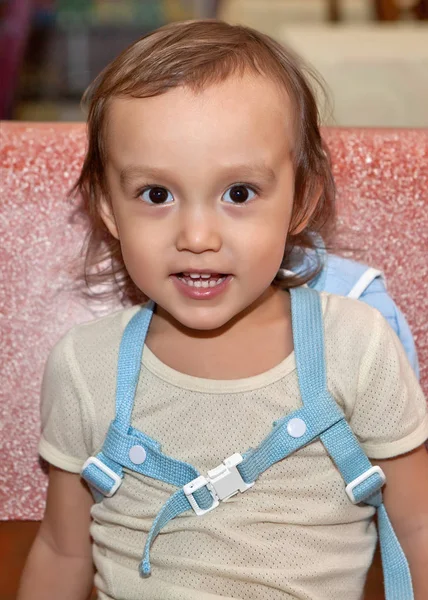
point(91, 344)
point(348, 317)
point(359, 330)
point(371, 378)
point(78, 390)
point(100, 332)
point(361, 327)
point(353, 333)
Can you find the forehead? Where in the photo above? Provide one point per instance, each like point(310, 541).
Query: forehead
point(245, 114)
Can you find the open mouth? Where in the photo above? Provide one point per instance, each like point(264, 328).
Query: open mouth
point(201, 280)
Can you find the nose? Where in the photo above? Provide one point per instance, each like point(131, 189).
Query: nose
point(198, 231)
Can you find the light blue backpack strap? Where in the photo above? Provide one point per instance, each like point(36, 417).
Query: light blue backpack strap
point(316, 417)
point(288, 435)
point(177, 504)
point(129, 363)
point(363, 482)
point(103, 473)
point(308, 338)
point(320, 417)
point(148, 459)
point(319, 411)
point(122, 439)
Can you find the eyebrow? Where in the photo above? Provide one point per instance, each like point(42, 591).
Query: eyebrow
point(133, 172)
point(260, 171)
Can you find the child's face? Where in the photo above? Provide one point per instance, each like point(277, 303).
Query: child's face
point(202, 184)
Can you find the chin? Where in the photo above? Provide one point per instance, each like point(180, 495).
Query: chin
point(203, 320)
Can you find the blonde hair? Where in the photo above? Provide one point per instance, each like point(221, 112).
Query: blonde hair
point(198, 54)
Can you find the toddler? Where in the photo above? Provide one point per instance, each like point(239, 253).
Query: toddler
point(209, 440)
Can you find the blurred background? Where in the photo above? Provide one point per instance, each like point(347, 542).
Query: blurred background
point(373, 54)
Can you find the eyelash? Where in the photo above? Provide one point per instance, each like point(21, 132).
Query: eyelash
point(250, 187)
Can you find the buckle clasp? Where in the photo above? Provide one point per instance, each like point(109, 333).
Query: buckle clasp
point(223, 482)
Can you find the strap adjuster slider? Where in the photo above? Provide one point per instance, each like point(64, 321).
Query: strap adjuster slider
point(193, 486)
point(116, 479)
point(358, 480)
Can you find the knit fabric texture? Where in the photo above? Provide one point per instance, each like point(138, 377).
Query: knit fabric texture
point(295, 534)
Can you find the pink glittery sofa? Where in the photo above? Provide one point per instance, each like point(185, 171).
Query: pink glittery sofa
point(382, 179)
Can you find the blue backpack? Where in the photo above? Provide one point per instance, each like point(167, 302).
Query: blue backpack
point(349, 278)
point(319, 418)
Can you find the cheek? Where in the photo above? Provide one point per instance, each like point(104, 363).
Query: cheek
point(140, 251)
point(264, 251)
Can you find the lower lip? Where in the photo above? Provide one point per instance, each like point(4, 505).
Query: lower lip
point(201, 293)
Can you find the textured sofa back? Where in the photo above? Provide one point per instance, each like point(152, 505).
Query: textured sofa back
point(382, 178)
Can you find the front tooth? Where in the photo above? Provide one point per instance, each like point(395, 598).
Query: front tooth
point(197, 283)
point(206, 275)
point(205, 284)
point(194, 275)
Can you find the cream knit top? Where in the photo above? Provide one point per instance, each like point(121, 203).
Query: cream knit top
point(295, 534)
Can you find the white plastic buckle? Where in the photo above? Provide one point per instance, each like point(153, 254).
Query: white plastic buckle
point(93, 460)
point(223, 482)
point(351, 486)
point(195, 485)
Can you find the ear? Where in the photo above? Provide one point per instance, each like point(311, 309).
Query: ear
point(107, 215)
point(303, 220)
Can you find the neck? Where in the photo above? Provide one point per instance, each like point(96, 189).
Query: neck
point(252, 342)
point(273, 304)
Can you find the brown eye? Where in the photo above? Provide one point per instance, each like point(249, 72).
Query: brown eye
point(238, 194)
point(157, 195)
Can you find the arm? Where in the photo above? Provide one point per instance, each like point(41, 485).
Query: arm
point(60, 561)
point(406, 500)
